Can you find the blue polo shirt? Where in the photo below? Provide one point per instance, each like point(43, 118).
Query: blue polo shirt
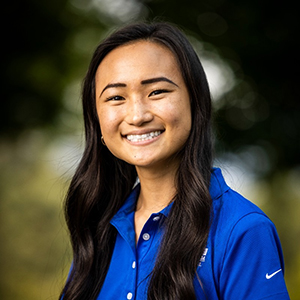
point(243, 258)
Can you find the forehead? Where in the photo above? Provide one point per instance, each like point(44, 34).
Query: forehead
point(142, 58)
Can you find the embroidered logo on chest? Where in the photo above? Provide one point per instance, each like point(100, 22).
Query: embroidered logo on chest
point(202, 259)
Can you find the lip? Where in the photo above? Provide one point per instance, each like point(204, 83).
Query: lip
point(149, 136)
point(142, 131)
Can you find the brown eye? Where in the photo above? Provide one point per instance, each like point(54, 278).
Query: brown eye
point(115, 98)
point(158, 92)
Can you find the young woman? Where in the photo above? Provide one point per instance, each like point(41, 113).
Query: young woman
point(178, 232)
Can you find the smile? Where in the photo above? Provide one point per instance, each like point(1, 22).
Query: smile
point(143, 137)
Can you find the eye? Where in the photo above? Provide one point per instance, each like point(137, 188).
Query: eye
point(158, 92)
point(115, 98)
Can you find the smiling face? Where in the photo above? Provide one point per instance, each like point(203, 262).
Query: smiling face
point(143, 105)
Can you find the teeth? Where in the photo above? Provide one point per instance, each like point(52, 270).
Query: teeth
point(143, 137)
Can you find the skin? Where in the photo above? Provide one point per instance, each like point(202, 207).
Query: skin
point(140, 91)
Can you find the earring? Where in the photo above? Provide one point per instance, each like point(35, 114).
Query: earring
point(102, 140)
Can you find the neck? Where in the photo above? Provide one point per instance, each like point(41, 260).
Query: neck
point(157, 189)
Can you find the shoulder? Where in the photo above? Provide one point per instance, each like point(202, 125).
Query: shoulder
point(243, 244)
point(231, 209)
point(238, 225)
point(239, 228)
point(235, 217)
point(235, 211)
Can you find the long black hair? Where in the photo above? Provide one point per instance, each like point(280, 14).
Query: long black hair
point(102, 182)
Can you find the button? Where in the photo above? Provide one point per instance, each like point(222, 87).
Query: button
point(133, 265)
point(146, 236)
point(129, 296)
point(156, 218)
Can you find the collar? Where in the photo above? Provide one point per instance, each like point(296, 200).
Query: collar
point(217, 188)
point(130, 203)
point(218, 185)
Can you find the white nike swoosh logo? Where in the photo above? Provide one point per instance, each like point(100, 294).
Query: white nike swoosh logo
point(273, 274)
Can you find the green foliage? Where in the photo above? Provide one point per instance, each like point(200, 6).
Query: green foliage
point(34, 249)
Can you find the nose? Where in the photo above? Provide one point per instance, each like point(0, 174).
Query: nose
point(138, 112)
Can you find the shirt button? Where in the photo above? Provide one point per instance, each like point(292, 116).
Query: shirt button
point(156, 218)
point(129, 296)
point(146, 236)
point(133, 265)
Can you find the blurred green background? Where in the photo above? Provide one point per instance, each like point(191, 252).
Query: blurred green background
point(249, 50)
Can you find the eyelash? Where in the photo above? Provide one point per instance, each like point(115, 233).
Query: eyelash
point(154, 93)
point(115, 98)
point(157, 92)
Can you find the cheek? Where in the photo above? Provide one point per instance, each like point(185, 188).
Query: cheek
point(179, 116)
point(107, 120)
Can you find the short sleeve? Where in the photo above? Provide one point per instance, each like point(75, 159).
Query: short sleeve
point(253, 265)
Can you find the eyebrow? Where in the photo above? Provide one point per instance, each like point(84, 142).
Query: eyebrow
point(113, 85)
point(143, 82)
point(157, 79)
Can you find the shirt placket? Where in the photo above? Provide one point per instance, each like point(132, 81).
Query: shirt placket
point(146, 251)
